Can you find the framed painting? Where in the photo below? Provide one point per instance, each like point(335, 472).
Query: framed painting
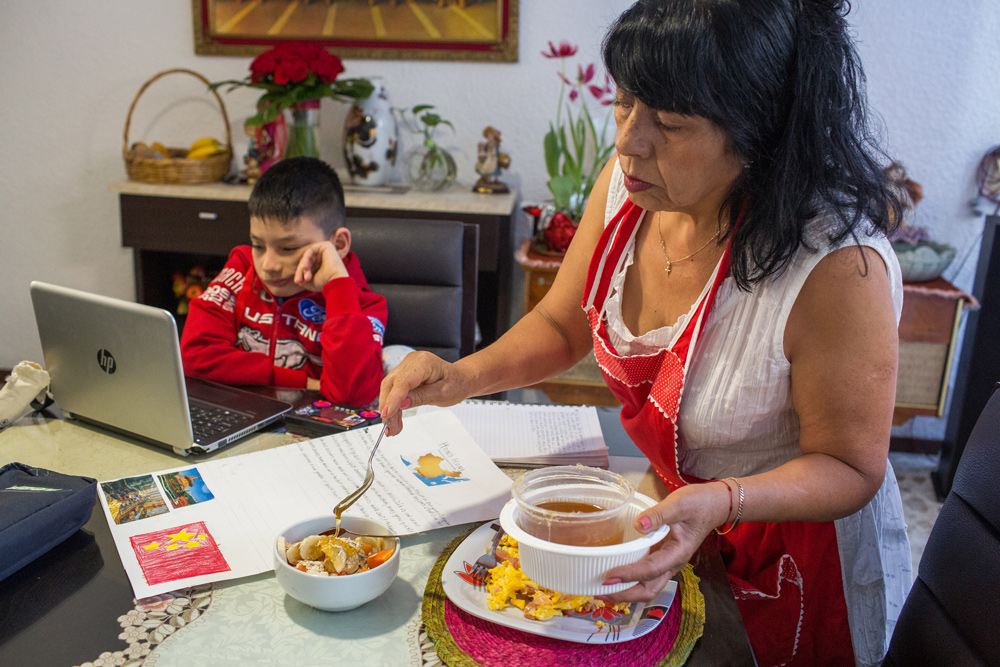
point(483, 30)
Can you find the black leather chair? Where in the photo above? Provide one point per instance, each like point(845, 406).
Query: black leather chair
point(427, 272)
point(952, 614)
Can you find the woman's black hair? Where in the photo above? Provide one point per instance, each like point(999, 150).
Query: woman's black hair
point(783, 80)
point(300, 186)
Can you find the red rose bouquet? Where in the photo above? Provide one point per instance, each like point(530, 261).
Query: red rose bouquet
point(293, 73)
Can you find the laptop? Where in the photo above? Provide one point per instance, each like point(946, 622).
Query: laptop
point(117, 364)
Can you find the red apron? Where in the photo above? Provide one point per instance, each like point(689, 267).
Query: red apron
point(785, 576)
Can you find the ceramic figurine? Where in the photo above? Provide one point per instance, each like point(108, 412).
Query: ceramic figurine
point(490, 162)
point(371, 138)
point(266, 146)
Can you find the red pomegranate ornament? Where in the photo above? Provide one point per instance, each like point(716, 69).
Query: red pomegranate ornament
point(559, 232)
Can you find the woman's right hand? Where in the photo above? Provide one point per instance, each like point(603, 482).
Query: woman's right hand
point(692, 512)
point(421, 378)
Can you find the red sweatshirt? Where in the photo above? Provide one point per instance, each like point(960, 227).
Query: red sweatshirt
point(240, 334)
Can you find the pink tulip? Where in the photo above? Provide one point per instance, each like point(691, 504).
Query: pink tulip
point(564, 50)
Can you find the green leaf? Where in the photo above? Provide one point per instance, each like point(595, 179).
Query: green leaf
point(355, 89)
point(421, 107)
point(552, 152)
point(571, 168)
point(232, 83)
point(562, 188)
point(563, 144)
point(269, 113)
point(430, 119)
point(580, 138)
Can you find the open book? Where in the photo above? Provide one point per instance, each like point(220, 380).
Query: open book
point(215, 520)
point(533, 435)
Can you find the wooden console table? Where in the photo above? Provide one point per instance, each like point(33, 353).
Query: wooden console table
point(174, 227)
point(928, 328)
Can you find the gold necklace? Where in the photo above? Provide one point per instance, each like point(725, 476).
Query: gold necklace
point(663, 247)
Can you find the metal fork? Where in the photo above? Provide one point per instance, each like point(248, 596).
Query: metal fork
point(488, 561)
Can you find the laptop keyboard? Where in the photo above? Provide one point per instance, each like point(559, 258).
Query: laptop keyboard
point(210, 422)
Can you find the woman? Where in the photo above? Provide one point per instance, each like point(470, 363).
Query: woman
point(735, 251)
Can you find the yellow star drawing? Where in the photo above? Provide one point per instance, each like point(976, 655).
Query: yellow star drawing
point(182, 536)
point(152, 545)
point(171, 547)
point(194, 544)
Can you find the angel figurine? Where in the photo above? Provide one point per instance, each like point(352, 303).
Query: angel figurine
point(490, 162)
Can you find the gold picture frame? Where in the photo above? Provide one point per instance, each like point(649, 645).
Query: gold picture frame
point(472, 30)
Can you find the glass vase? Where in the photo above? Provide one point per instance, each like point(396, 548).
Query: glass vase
point(302, 130)
point(430, 168)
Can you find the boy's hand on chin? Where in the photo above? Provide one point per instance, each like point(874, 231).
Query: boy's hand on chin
point(320, 264)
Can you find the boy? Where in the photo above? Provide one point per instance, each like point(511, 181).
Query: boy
point(293, 309)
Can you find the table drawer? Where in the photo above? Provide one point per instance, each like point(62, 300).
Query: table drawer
point(171, 224)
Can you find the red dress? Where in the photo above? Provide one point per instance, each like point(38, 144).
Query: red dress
point(786, 577)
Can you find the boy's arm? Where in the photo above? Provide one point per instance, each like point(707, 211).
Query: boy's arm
point(352, 343)
point(208, 344)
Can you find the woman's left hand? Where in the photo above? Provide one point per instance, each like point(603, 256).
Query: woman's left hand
point(692, 512)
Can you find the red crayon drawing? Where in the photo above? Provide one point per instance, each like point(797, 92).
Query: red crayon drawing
point(178, 553)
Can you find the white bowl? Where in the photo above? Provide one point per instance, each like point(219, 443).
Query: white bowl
point(335, 593)
point(581, 570)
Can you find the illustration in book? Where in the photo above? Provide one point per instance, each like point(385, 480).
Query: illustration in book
point(178, 553)
point(133, 498)
point(434, 470)
point(184, 488)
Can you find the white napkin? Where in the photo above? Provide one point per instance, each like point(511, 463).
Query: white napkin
point(27, 381)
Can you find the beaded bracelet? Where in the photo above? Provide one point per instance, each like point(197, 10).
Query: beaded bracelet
point(739, 509)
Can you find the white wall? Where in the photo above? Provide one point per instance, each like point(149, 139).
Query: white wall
point(70, 70)
point(933, 77)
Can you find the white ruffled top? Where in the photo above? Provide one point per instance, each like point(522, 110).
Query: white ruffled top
point(736, 415)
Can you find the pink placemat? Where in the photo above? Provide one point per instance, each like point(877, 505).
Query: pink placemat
point(462, 639)
point(490, 644)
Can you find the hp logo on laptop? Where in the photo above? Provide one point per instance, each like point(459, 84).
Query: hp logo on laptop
point(106, 361)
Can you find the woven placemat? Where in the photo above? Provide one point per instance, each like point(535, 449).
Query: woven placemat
point(463, 640)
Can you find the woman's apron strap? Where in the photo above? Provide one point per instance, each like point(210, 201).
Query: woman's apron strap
point(610, 251)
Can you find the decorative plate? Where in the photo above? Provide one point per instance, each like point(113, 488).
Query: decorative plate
point(459, 586)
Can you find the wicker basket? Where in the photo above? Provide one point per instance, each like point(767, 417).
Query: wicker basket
point(176, 168)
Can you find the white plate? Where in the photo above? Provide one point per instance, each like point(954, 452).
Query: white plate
point(578, 628)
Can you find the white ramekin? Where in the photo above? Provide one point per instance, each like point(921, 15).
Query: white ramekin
point(580, 570)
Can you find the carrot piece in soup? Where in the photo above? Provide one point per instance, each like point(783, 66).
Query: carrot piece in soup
point(379, 557)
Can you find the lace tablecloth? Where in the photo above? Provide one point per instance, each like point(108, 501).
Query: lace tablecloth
point(252, 622)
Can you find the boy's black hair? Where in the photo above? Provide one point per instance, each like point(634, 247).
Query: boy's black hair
point(300, 186)
point(783, 80)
